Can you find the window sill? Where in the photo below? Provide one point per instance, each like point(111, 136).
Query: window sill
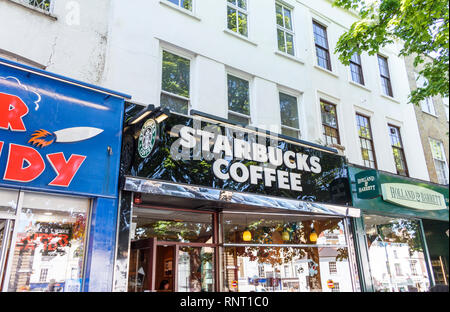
point(390, 98)
point(359, 86)
point(181, 10)
point(329, 72)
point(291, 57)
point(34, 9)
point(232, 33)
point(430, 114)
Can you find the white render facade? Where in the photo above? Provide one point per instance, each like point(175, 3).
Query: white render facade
point(120, 44)
point(141, 30)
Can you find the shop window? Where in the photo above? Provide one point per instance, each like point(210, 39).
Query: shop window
point(397, 149)
point(239, 100)
point(172, 226)
point(237, 16)
point(322, 48)
point(392, 244)
point(51, 231)
point(329, 123)
point(175, 91)
point(440, 161)
point(290, 124)
point(281, 244)
point(184, 4)
point(285, 30)
point(8, 203)
point(366, 141)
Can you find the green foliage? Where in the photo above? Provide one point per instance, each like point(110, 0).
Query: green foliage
point(422, 26)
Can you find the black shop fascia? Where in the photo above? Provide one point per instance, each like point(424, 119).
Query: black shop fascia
point(208, 162)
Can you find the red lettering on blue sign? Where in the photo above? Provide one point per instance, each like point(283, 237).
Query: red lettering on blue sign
point(66, 170)
point(12, 110)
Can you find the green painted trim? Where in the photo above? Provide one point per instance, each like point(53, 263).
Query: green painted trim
point(427, 255)
point(381, 207)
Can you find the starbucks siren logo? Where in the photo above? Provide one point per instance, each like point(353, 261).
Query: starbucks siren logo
point(147, 138)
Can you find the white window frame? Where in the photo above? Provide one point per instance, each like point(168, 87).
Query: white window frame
point(444, 159)
point(284, 29)
point(427, 105)
point(249, 80)
point(239, 10)
point(297, 98)
point(179, 5)
point(184, 55)
point(446, 107)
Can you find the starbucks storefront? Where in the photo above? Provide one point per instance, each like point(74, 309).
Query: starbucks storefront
point(211, 206)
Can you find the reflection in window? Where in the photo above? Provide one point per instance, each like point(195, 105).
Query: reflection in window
point(440, 161)
point(172, 226)
point(285, 32)
point(356, 69)
point(195, 269)
point(289, 116)
point(322, 49)
point(393, 245)
point(397, 148)
point(329, 123)
point(366, 141)
point(385, 75)
point(49, 245)
point(8, 202)
point(238, 100)
point(262, 269)
point(175, 83)
point(237, 16)
point(273, 229)
point(185, 4)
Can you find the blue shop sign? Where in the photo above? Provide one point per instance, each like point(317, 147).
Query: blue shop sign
point(57, 134)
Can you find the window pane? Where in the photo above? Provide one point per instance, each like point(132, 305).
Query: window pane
point(242, 4)
point(279, 12)
point(243, 29)
point(437, 150)
point(195, 269)
point(281, 41)
point(287, 19)
point(175, 74)
point(275, 229)
point(238, 95)
point(238, 119)
point(232, 19)
point(50, 235)
point(388, 238)
point(329, 114)
point(290, 132)
point(289, 111)
point(177, 2)
point(186, 4)
point(8, 202)
point(290, 44)
point(172, 226)
point(175, 104)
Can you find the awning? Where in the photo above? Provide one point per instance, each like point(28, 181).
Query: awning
point(221, 197)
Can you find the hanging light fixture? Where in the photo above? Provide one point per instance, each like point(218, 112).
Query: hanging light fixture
point(285, 236)
point(247, 235)
point(313, 236)
point(137, 198)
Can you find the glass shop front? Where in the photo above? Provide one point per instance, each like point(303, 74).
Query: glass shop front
point(405, 222)
point(229, 224)
point(58, 181)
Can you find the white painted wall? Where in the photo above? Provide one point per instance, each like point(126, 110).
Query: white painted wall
point(71, 41)
point(140, 29)
point(118, 44)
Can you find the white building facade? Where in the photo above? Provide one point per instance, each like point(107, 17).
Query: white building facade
point(259, 53)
